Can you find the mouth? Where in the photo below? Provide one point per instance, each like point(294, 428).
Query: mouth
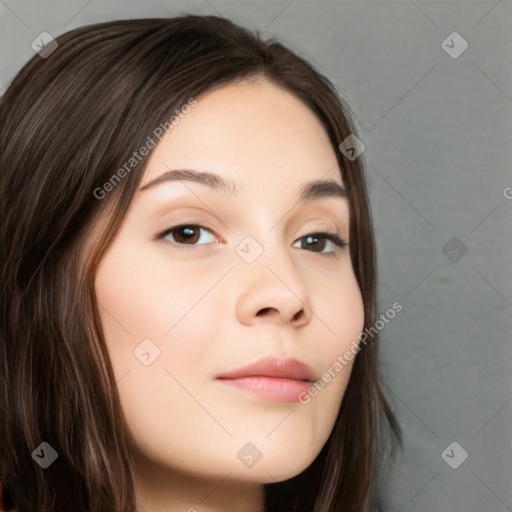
point(274, 379)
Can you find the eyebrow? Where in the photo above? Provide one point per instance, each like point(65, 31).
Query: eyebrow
point(309, 192)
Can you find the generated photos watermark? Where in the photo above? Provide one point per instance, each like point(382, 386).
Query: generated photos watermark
point(343, 360)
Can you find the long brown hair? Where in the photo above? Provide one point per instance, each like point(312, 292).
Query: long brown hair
point(69, 122)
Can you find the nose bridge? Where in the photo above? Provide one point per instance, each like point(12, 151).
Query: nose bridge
point(269, 280)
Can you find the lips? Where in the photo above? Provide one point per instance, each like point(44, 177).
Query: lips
point(274, 368)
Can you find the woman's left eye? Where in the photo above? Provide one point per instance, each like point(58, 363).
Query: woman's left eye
point(186, 237)
point(321, 238)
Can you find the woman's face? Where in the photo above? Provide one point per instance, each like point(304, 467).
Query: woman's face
point(240, 282)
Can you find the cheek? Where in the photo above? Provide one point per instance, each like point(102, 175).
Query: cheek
point(154, 339)
point(139, 296)
point(343, 308)
point(342, 305)
point(146, 309)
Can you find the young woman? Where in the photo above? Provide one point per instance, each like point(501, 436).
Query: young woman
point(188, 270)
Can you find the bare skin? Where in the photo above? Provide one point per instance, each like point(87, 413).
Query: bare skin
point(208, 311)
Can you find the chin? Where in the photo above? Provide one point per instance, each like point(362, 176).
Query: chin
point(274, 470)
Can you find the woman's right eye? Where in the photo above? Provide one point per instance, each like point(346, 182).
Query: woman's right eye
point(185, 236)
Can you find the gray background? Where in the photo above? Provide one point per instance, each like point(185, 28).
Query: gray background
point(437, 132)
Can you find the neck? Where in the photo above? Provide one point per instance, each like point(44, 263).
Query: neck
point(163, 490)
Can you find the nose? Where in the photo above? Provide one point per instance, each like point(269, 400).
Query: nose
point(272, 292)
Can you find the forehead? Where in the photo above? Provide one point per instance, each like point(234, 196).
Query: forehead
point(251, 133)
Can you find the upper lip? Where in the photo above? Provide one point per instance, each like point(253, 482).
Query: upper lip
point(274, 367)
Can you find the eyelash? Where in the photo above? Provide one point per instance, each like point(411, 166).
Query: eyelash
point(333, 237)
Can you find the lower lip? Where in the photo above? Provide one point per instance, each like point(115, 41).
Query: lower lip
point(272, 388)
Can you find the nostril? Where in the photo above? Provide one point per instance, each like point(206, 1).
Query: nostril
point(297, 315)
point(267, 311)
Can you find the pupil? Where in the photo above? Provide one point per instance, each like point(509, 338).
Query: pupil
point(310, 240)
point(186, 233)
